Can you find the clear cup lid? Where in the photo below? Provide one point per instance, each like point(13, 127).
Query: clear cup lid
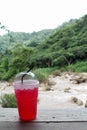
point(25, 76)
point(25, 80)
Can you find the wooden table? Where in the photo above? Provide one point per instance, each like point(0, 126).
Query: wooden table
point(58, 119)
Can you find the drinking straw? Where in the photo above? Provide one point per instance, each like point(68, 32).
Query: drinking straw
point(26, 73)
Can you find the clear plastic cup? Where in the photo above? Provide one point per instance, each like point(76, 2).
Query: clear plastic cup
point(26, 92)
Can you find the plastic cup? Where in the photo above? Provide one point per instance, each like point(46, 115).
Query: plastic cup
point(26, 93)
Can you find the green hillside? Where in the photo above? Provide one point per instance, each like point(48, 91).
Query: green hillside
point(64, 47)
point(28, 39)
point(67, 45)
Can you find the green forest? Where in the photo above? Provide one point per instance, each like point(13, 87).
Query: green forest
point(63, 48)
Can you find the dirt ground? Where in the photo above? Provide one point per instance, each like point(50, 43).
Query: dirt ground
point(67, 90)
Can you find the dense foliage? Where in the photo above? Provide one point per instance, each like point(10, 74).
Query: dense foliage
point(67, 45)
point(27, 39)
point(64, 46)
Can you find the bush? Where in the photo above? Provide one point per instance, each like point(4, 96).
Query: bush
point(42, 74)
point(8, 101)
point(8, 75)
point(79, 66)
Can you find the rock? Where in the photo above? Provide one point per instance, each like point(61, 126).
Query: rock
point(77, 101)
point(47, 88)
point(86, 103)
point(44, 87)
point(74, 99)
point(79, 79)
point(67, 89)
point(51, 83)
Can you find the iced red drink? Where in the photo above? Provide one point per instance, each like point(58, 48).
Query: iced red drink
point(26, 97)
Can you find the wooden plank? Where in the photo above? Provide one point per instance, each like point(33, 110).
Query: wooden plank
point(79, 114)
point(59, 115)
point(43, 126)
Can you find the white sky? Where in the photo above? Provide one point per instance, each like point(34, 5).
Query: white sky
point(35, 15)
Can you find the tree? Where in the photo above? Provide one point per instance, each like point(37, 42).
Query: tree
point(3, 27)
point(21, 57)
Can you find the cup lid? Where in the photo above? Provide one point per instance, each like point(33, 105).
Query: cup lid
point(25, 76)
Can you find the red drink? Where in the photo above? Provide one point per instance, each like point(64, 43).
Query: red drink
point(26, 97)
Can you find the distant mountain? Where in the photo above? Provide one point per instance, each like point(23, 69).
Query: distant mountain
point(28, 39)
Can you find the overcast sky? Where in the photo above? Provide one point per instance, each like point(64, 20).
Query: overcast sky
point(35, 15)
